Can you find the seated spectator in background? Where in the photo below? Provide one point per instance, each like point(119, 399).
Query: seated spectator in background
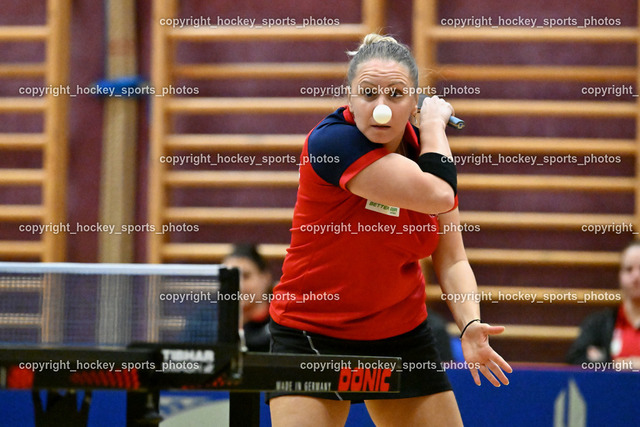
point(255, 286)
point(614, 333)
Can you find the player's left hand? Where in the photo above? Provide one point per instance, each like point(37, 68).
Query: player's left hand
point(480, 356)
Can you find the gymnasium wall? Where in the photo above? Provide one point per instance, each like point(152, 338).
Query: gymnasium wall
point(87, 50)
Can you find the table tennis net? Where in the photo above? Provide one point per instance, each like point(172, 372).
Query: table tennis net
point(116, 304)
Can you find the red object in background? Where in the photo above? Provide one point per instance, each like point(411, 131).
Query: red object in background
point(19, 378)
point(127, 379)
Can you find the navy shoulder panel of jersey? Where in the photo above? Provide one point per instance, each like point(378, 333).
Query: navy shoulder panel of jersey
point(334, 145)
point(414, 151)
point(417, 131)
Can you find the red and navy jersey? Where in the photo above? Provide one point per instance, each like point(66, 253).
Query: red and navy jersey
point(352, 270)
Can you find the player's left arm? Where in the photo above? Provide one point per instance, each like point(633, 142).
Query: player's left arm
point(456, 277)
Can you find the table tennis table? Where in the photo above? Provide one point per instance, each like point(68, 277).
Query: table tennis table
point(73, 359)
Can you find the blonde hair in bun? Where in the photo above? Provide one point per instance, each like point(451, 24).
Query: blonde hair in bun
point(377, 46)
point(371, 39)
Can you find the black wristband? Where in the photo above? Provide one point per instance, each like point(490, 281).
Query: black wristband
point(441, 166)
point(465, 328)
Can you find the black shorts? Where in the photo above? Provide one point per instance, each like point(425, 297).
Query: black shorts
point(417, 349)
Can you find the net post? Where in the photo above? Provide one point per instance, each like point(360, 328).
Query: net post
point(229, 308)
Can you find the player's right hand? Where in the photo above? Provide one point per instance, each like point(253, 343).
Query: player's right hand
point(435, 110)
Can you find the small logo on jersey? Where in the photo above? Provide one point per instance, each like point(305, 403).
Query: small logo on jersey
point(383, 209)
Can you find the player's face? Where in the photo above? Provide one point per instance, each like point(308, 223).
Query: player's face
point(380, 81)
point(253, 282)
point(630, 274)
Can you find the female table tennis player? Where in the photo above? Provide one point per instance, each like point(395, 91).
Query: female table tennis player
point(352, 282)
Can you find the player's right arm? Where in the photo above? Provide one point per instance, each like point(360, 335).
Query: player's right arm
point(395, 180)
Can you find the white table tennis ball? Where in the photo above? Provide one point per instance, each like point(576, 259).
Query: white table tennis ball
point(382, 114)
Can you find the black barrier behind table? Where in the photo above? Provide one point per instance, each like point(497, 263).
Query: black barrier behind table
point(537, 396)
